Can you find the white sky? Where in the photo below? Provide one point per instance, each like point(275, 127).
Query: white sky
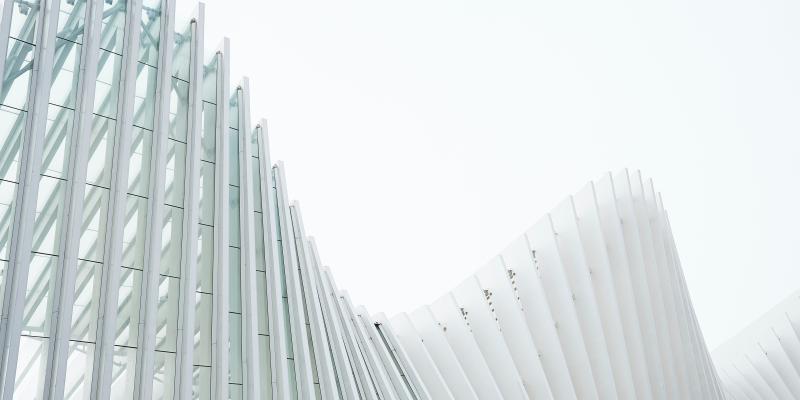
point(422, 136)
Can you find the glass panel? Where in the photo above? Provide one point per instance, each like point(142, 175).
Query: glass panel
point(261, 307)
point(175, 177)
point(23, 20)
point(235, 392)
point(56, 142)
point(151, 27)
point(31, 366)
point(130, 291)
point(133, 236)
point(101, 151)
point(235, 280)
point(113, 28)
point(206, 193)
point(178, 110)
point(233, 118)
point(202, 329)
point(47, 223)
point(144, 101)
point(163, 376)
point(167, 318)
point(8, 191)
point(87, 299)
point(235, 367)
point(205, 258)
point(107, 87)
point(261, 255)
point(17, 76)
point(234, 157)
point(35, 321)
point(256, 184)
point(210, 80)
point(201, 383)
point(208, 140)
point(254, 134)
point(12, 124)
point(95, 212)
point(171, 238)
point(265, 366)
point(71, 20)
point(234, 216)
point(123, 373)
point(80, 361)
point(139, 167)
point(67, 62)
point(182, 54)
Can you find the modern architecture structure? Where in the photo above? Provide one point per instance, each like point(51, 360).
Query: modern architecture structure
point(149, 250)
point(763, 361)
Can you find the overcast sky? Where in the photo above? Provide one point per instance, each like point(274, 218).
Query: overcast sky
point(421, 136)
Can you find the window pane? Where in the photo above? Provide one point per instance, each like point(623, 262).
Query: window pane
point(101, 151)
point(113, 28)
point(175, 177)
point(163, 375)
point(171, 239)
point(167, 318)
point(234, 157)
point(178, 110)
point(265, 366)
point(235, 357)
point(56, 142)
point(208, 140)
point(234, 216)
point(202, 330)
point(67, 62)
point(261, 256)
point(235, 392)
point(233, 118)
point(49, 207)
point(151, 27)
point(256, 183)
point(139, 167)
point(130, 291)
point(71, 20)
point(206, 193)
point(201, 383)
point(80, 361)
point(235, 280)
point(38, 295)
point(261, 306)
point(134, 234)
point(23, 20)
point(144, 101)
point(93, 229)
point(124, 371)
point(107, 86)
point(87, 299)
point(17, 76)
point(180, 61)
point(205, 258)
point(12, 124)
point(31, 363)
point(210, 80)
point(8, 191)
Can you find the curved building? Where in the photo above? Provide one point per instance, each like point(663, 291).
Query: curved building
point(149, 250)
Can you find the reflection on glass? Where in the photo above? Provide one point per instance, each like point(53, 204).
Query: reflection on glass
point(80, 361)
point(101, 152)
point(139, 166)
point(71, 19)
point(201, 383)
point(144, 100)
point(233, 154)
point(56, 142)
point(17, 76)
point(235, 357)
point(66, 65)
point(208, 138)
point(163, 375)
point(261, 299)
point(202, 329)
point(12, 123)
point(175, 173)
point(87, 299)
point(233, 208)
point(39, 295)
point(151, 27)
point(31, 363)
point(123, 373)
point(182, 54)
point(179, 110)
point(24, 14)
point(8, 191)
point(93, 228)
point(47, 222)
point(107, 85)
point(171, 238)
point(133, 235)
point(206, 185)
point(205, 258)
point(113, 26)
point(235, 280)
point(130, 291)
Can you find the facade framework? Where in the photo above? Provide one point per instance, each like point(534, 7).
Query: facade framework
point(149, 250)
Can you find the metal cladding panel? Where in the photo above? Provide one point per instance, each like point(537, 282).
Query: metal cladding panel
point(164, 258)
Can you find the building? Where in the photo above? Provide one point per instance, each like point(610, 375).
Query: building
point(149, 250)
